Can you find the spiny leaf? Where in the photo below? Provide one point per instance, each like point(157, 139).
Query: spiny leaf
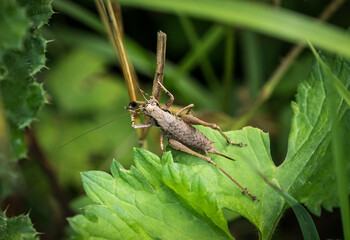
point(39, 12)
point(21, 94)
point(19, 228)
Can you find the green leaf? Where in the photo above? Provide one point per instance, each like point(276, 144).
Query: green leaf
point(261, 213)
point(19, 228)
point(309, 140)
point(147, 207)
point(262, 18)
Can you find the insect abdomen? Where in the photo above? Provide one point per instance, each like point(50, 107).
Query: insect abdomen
point(175, 128)
point(189, 136)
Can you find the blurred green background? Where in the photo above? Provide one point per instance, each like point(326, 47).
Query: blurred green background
point(220, 68)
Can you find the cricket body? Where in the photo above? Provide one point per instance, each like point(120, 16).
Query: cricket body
point(179, 131)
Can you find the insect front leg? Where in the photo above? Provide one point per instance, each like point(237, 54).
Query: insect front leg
point(136, 126)
point(196, 121)
point(171, 100)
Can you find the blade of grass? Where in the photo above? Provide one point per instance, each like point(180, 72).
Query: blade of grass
point(228, 68)
point(266, 19)
point(305, 221)
point(340, 169)
point(205, 65)
point(81, 14)
point(252, 62)
point(112, 23)
point(193, 57)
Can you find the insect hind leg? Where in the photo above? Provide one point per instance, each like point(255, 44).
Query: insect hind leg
point(196, 121)
point(179, 146)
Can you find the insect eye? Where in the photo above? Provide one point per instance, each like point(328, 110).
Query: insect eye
point(133, 104)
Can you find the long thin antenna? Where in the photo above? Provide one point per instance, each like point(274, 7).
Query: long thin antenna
point(102, 125)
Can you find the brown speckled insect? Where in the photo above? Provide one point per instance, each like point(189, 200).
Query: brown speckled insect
point(179, 131)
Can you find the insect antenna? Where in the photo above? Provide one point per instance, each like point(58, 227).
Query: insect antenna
point(143, 93)
point(91, 130)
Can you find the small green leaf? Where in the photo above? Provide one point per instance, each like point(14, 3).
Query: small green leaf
point(19, 228)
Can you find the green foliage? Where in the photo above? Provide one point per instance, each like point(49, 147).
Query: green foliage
point(22, 55)
point(310, 139)
point(259, 17)
point(16, 228)
point(178, 195)
point(195, 187)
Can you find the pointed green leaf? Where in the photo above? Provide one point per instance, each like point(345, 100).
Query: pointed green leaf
point(19, 228)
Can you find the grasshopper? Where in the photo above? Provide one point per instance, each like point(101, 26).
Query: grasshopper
point(180, 133)
point(178, 130)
